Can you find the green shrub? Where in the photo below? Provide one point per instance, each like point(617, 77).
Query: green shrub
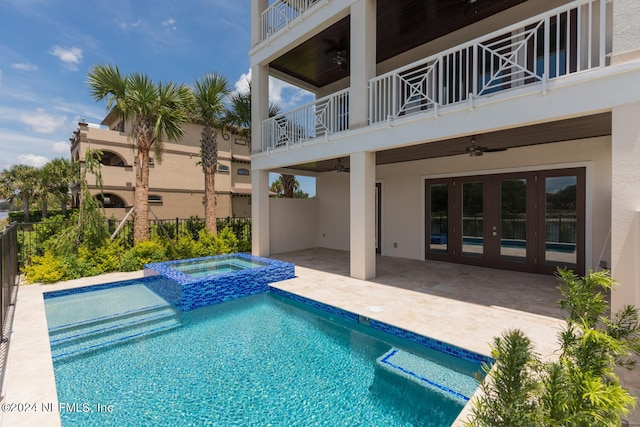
point(45, 269)
point(76, 266)
point(105, 259)
point(143, 253)
point(244, 246)
point(581, 388)
point(224, 242)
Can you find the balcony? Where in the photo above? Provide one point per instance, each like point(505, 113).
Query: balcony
point(279, 15)
point(565, 41)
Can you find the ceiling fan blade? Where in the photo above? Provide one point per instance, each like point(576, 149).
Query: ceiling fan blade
point(494, 150)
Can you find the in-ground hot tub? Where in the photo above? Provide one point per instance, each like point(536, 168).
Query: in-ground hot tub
point(194, 283)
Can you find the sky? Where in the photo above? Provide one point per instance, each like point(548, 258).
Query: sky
point(47, 48)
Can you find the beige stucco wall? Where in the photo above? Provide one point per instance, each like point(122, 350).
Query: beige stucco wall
point(332, 192)
point(293, 224)
point(403, 187)
point(625, 224)
point(177, 177)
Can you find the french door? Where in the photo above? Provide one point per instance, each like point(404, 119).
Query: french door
point(526, 221)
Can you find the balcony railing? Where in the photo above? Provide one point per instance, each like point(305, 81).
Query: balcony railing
point(280, 13)
point(319, 118)
point(564, 41)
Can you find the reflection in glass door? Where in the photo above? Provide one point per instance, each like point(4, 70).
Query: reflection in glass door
point(439, 218)
point(561, 214)
point(513, 220)
point(526, 221)
point(472, 219)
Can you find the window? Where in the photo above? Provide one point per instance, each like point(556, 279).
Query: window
point(243, 171)
point(154, 198)
point(223, 168)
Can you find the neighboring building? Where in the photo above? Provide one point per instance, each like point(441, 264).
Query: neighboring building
point(500, 133)
point(176, 184)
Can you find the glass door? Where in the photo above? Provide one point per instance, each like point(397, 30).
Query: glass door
point(437, 226)
point(562, 220)
point(472, 221)
point(513, 220)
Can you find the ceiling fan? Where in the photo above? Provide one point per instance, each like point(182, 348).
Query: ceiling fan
point(339, 167)
point(475, 150)
point(340, 58)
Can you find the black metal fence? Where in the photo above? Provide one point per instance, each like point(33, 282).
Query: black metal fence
point(31, 236)
point(8, 273)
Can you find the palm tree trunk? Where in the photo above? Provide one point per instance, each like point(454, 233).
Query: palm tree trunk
point(45, 206)
point(210, 200)
point(25, 206)
point(288, 184)
point(141, 195)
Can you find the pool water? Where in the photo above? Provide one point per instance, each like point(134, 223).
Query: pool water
point(259, 360)
point(208, 267)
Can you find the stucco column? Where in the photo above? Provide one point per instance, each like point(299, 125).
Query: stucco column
point(260, 213)
point(259, 177)
point(625, 205)
point(362, 60)
point(362, 181)
point(626, 31)
point(257, 7)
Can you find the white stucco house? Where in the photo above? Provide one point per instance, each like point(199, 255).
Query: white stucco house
point(500, 133)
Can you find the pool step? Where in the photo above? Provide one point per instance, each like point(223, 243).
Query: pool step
point(428, 373)
point(92, 334)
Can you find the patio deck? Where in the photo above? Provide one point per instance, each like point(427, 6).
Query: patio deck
point(462, 305)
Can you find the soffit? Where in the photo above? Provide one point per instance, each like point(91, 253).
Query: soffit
point(401, 26)
point(544, 133)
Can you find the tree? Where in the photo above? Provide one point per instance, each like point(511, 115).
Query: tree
point(54, 179)
point(208, 110)
point(19, 182)
point(154, 111)
point(239, 114)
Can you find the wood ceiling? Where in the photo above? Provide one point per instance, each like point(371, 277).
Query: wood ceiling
point(558, 131)
point(401, 25)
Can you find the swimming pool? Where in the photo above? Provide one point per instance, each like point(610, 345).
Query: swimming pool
point(262, 359)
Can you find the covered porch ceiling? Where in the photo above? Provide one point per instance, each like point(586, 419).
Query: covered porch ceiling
point(543, 133)
point(401, 26)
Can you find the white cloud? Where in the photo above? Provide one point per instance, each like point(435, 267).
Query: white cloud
point(61, 147)
point(32, 160)
point(70, 56)
point(42, 122)
point(24, 66)
point(285, 95)
point(128, 25)
point(169, 24)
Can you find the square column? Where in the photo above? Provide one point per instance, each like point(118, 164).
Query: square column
point(362, 215)
point(625, 205)
point(362, 60)
point(260, 213)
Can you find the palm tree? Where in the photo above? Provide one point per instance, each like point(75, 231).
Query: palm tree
point(57, 175)
point(239, 117)
point(154, 111)
point(19, 182)
point(239, 114)
point(208, 109)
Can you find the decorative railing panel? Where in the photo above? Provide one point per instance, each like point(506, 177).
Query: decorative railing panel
point(563, 41)
point(278, 15)
point(317, 119)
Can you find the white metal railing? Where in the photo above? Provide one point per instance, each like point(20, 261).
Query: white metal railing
point(320, 118)
point(563, 41)
point(280, 13)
